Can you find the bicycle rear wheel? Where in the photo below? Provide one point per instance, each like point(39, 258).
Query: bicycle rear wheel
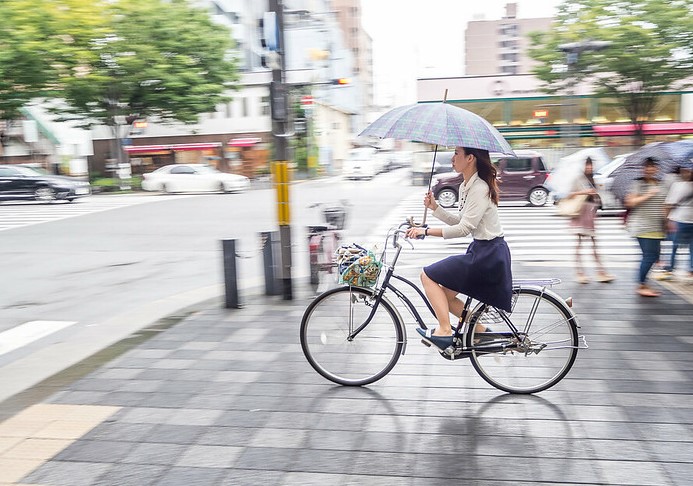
point(544, 354)
point(328, 342)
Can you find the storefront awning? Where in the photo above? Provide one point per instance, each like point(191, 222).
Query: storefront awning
point(244, 142)
point(648, 129)
point(176, 147)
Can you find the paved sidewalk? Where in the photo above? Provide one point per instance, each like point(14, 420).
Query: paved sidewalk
point(225, 397)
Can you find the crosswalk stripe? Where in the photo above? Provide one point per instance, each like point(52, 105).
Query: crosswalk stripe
point(533, 233)
point(18, 215)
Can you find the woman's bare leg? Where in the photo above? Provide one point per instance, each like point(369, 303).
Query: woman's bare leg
point(578, 257)
point(441, 306)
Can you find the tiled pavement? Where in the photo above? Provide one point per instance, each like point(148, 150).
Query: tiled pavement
point(225, 397)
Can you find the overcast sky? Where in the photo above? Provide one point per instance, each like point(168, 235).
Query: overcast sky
point(411, 41)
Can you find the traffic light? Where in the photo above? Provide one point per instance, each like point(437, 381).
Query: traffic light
point(341, 81)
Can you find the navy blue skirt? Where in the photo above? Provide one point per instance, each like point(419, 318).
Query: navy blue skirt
point(482, 273)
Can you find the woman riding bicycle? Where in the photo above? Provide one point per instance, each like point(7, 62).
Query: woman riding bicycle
point(484, 271)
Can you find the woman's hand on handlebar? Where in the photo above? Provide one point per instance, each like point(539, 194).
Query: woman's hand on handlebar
point(416, 232)
point(430, 201)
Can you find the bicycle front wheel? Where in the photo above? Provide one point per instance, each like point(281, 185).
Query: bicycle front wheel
point(349, 342)
point(543, 354)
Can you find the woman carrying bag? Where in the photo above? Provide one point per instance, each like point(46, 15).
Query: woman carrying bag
point(582, 223)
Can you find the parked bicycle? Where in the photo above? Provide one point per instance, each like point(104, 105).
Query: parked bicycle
point(354, 335)
point(324, 239)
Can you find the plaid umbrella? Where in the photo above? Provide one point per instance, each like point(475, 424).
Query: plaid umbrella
point(440, 124)
point(669, 156)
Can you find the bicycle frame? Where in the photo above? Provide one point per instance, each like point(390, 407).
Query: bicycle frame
point(461, 328)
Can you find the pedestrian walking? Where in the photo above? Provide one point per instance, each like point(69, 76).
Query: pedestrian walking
point(483, 272)
point(679, 209)
point(583, 224)
point(646, 221)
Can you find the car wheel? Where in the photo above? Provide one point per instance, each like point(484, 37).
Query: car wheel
point(223, 188)
point(538, 196)
point(45, 194)
point(447, 198)
point(166, 189)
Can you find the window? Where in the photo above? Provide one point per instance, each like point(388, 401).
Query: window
point(183, 169)
point(509, 69)
point(7, 172)
point(244, 107)
point(265, 105)
point(518, 165)
point(509, 29)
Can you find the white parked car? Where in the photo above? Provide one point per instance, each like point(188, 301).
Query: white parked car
point(603, 181)
point(363, 163)
point(193, 178)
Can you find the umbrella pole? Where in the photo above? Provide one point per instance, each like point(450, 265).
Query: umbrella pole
point(430, 179)
point(433, 166)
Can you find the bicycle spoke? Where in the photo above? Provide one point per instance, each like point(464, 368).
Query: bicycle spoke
point(348, 342)
point(535, 359)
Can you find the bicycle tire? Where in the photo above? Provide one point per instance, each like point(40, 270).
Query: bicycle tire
point(371, 354)
point(539, 363)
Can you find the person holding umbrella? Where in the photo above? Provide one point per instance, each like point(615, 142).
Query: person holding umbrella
point(646, 221)
point(583, 223)
point(484, 271)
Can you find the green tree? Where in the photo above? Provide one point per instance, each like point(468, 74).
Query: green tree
point(114, 59)
point(650, 50)
point(38, 38)
point(162, 58)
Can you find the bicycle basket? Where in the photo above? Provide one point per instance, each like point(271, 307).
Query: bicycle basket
point(335, 216)
point(357, 266)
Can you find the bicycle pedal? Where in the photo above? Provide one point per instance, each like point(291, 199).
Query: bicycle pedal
point(425, 343)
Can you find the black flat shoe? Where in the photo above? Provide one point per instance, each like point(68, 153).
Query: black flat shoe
point(440, 342)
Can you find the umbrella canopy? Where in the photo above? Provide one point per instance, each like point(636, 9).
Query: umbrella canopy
point(440, 124)
point(570, 167)
point(669, 155)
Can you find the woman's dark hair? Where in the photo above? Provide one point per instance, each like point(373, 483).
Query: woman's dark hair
point(486, 170)
point(590, 176)
point(651, 161)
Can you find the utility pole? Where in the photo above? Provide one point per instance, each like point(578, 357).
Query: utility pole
point(280, 114)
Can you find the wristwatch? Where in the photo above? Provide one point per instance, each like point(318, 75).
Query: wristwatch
point(426, 232)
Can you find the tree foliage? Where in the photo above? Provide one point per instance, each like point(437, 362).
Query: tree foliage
point(111, 58)
point(38, 38)
point(650, 51)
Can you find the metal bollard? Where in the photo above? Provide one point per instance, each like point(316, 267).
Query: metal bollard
point(271, 257)
point(230, 275)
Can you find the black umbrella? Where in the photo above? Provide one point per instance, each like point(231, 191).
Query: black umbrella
point(669, 156)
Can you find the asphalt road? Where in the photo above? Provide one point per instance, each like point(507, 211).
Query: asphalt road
point(105, 275)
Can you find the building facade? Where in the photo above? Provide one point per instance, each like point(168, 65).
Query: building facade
point(238, 134)
point(500, 46)
point(529, 118)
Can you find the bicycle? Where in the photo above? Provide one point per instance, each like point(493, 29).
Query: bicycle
point(324, 239)
point(355, 335)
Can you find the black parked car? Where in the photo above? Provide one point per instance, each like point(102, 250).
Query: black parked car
point(20, 182)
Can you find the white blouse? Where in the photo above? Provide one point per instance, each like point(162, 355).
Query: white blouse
point(477, 215)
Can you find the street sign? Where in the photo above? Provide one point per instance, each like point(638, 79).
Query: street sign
point(306, 101)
